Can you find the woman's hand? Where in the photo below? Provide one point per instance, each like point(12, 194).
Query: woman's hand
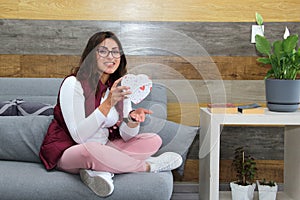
point(118, 93)
point(139, 114)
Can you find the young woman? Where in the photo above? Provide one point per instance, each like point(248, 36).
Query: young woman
point(95, 131)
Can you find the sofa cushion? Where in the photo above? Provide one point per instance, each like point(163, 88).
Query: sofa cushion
point(21, 137)
point(19, 107)
point(43, 90)
point(175, 137)
point(8, 108)
point(23, 180)
point(34, 108)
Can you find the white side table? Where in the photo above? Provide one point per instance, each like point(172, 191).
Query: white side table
point(209, 153)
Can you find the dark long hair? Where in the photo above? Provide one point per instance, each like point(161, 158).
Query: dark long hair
point(88, 70)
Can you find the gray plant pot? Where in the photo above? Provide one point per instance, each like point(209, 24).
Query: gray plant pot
point(282, 95)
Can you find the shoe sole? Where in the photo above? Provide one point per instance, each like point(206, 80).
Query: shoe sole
point(96, 183)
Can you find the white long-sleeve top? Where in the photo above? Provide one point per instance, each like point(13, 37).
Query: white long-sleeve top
point(95, 126)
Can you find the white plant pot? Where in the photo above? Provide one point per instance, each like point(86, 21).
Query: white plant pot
point(266, 192)
point(240, 192)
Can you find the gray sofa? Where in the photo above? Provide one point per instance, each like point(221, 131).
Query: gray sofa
point(26, 106)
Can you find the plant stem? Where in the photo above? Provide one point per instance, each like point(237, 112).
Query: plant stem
point(244, 177)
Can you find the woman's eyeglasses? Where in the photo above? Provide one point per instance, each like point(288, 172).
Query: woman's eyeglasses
point(104, 52)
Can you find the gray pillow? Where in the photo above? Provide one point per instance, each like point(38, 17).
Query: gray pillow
point(175, 137)
point(21, 137)
point(155, 101)
point(8, 108)
point(34, 108)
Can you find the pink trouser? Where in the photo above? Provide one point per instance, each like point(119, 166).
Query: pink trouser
point(115, 156)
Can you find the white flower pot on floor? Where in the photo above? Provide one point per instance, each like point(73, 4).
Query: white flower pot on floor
point(240, 192)
point(266, 192)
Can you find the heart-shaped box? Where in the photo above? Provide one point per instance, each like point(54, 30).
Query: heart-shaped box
point(140, 86)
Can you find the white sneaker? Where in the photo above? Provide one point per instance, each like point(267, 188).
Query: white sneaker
point(99, 182)
point(164, 162)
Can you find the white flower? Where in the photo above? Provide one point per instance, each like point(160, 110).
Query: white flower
point(286, 33)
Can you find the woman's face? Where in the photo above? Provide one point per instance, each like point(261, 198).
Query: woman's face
point(108, 56)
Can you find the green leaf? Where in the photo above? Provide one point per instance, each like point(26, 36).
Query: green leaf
point(262, 45)
point(277, 49)
point(264, 60)
point(290, 43)
point(270, 73)
point(259, 19)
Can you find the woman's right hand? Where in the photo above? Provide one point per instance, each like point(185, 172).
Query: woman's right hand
point(118, 92)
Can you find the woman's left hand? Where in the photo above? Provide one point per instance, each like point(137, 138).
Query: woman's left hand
point(139, 114)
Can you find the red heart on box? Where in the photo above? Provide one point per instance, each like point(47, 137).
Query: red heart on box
point(140, 86)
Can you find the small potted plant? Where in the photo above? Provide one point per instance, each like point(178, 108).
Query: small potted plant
point(245, 167)
point(267, 190)
point(282, 85)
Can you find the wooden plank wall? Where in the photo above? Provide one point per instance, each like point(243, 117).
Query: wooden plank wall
point(178, 43)
point(151, 10)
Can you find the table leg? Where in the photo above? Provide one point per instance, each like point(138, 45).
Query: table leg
point(292, 161)
point(209, 155)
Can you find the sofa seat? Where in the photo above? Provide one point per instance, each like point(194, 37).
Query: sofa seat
point(29, 181)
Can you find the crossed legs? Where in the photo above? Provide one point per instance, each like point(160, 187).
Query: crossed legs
point(116, 156)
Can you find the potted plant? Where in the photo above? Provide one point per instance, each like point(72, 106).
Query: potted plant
point(267, 190)
point(245, 167)
point(282, 85)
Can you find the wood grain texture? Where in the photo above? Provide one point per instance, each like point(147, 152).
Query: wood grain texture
point(42, 66)
point(268, 169)
point(182, 39)
point(187, 114)
point(262, 142)
point(151, 10)
point(10, 66)
point(157, 67)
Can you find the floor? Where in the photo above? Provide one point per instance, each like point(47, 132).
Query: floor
point(189, 191)
point(185, 191)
